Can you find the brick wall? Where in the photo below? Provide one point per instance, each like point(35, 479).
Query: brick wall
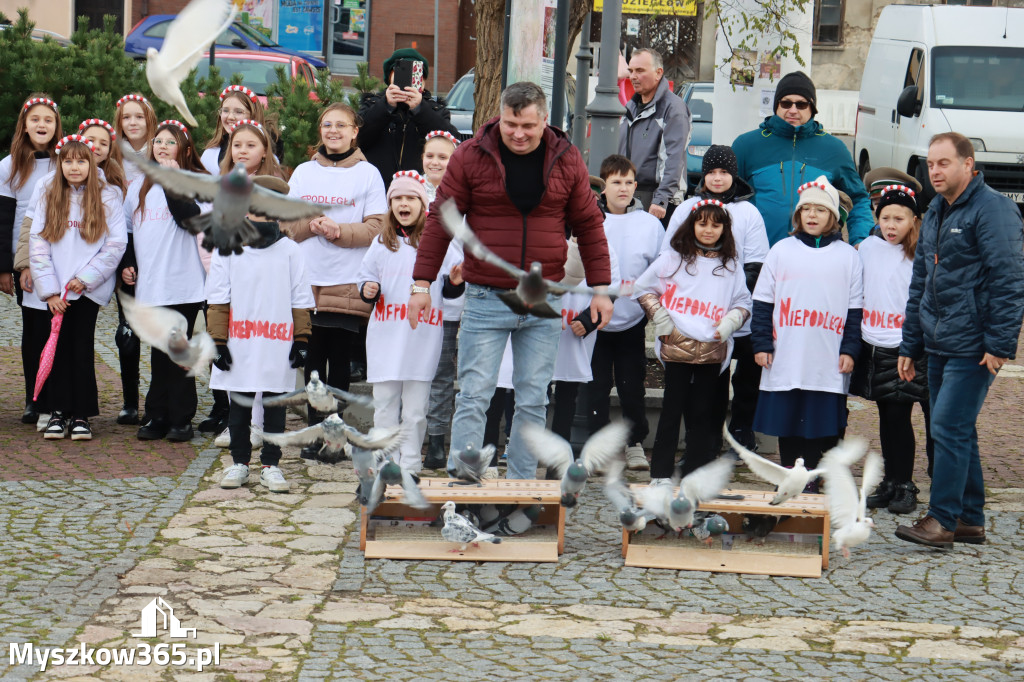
point(155, 7)
point(389, 18)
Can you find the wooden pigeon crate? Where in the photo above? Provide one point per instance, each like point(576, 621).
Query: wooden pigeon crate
point(397, 531)
point(808, 515)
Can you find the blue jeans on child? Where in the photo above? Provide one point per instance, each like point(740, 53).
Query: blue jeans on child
point(958, 387)
point(486, 325)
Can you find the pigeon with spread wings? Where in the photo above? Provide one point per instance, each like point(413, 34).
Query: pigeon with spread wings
point(167, 330)
point(320, 396)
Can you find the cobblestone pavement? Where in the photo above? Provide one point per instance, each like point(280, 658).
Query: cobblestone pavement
point(278, 582)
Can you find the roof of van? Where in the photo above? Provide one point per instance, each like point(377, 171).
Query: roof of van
point(952, 25)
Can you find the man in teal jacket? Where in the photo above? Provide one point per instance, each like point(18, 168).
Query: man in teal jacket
point(791, 148)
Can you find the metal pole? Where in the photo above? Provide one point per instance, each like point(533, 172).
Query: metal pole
point(436, 38)
point(504, 44)
point(584, 60)
point(606, 110)
point(213, 53)
point(561, 57)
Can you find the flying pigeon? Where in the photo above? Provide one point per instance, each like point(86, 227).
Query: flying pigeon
point(655, 499)
point(757, 527)
point(701, 485)
point(788, 482)
point(708, 526)
point(555, 452)
point(390, 473)
point(847, 506)
point(334, 433)
point(470, 464)
point(320, 396)
point(365, 463)
point(188, 36)
point(459, 529)
point(167, 330)
point(517, 522)
point(233, 195)
point(530, 297)
point(631, 516)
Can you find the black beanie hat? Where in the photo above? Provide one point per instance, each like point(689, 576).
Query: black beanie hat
point(900, 195)
point(404, 53)
point(796, 83)
point(719, 156)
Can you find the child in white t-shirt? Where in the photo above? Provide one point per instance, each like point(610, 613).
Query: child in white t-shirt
point(888, 259)
point(401, 361)
point(259, 319)
point(696, 297)
point(806, 330)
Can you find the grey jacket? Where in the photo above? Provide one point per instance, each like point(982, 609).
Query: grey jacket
point(654, 139)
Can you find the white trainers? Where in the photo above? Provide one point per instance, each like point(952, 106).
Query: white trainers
point(273, 479)
point(655, 482)
point(636, 460)
point(236, 476)
point(223, 440)
point(43, 420)
point(491, 473)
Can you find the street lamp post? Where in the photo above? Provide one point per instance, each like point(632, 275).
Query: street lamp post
point(584, 58)
point(561, 56)
point(606, 110)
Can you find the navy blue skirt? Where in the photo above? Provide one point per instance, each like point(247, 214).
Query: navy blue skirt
point(799, 413)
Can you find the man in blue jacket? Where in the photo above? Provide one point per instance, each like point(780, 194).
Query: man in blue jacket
point(965, 310)
point(791, 148)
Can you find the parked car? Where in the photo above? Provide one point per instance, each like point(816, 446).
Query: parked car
point(151, 30)
point(258, 69)
point(462, 104)
point(39, 35)
point(698, 98)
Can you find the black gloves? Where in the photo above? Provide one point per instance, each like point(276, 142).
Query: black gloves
point(223, 359)
point(297, 356)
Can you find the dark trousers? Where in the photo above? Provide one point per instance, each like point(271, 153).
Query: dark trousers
point(620, 356)
point(746, 381)
point(35, 329)
point(896, 432)
point(330, 349)
point(128, 352)
point(239, 418)
point(71, 386)
point(565, 407)
point(172, 393)
point(811, 449)
point(689, 396)
point(503, 403)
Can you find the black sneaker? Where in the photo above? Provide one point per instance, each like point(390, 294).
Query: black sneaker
point(215, 423)
point(356, 371)
point(154, 429)
point(180, 434)
point(31, 414)
point(80, 430)
point(882, 495)
point(128, 415)
point(311, 451)
point(56, 428)
point(904, 499)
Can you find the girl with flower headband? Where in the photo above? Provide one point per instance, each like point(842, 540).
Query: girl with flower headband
point(135, 123)
point(888, 257)
point(108, 153)
point(35, 135)
point(165, 270)
point(249, 145)
point(806, 330)
point(437, 150)
point(237, 103)
point(696, 296)
point(78, 236)
point(333, 244)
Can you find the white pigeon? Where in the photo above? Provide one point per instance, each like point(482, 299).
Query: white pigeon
point(190, 34)
point(167, 330)
point(788, 482)
point(458, 529)
point(847, 506)
point(556, 453)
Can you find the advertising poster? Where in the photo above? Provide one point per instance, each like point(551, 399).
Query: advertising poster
point(300, 25)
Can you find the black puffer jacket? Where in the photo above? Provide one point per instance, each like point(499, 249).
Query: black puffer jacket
point(875, 377)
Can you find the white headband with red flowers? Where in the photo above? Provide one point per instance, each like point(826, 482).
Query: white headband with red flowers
point(410, 174)
point(248, 122)
point(238, 88)
point(808, 185)
point(132, 98)
point(40, 100)
point(172, 122)
point(707, 202)
point(898, 188)
point(90, 122)
point(442, 133)
point(73, 138)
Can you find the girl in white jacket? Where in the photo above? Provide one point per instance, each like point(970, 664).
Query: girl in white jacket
point(78, 236)
point(237, 103)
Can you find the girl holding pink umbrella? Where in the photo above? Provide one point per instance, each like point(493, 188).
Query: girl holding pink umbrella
point(78, 237)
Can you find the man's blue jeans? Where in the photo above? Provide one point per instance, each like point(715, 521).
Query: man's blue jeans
point(958, 387)
point(486, 325)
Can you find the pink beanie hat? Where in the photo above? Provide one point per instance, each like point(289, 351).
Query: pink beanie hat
point(408, 183)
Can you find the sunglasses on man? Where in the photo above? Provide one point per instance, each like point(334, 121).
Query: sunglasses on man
point(789, 104)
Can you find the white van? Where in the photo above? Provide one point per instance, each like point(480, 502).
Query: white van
point(936, 69)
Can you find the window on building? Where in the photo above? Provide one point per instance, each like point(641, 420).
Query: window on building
point(828, 22)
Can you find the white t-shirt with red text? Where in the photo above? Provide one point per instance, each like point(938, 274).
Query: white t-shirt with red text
point(635, 238)
point(887, 274)
point(812, 290)
point(262, 286)
point(355, 192)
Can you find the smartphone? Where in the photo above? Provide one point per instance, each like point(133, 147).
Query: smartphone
point(402, 73)
point(417, 75)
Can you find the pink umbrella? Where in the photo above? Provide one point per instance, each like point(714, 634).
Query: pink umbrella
point(49, 350)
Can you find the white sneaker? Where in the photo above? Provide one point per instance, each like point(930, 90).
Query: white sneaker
point(655, 482)
point(636, 460)
point(223, 440)
point(43, 420)
point(273, 479)
point(236, 476)
point(491, 474)
point(255, 441)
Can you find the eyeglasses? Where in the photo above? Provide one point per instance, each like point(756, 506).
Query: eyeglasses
point(327, 125)
point(166, 143)
point(789, 104)
point(235, 112)
point(814, 209)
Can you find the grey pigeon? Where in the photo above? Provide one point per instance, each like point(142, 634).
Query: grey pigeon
point(707, 526)
point(530, 296)
point(788, 482)
point(519, 521)
point(656, 499)
point(365, 463)
point(471, 463)
point(459, 529)
point(757, 527)
point(390, 473)
point(320, 396)
point(233, 195)
point(617, 491)
point(334, 433)
point(701, 485)
point(555, 452)
point(167, 330)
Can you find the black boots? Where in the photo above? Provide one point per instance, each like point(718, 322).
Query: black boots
point(904, 499)
point(882, 495)
point(437, 456)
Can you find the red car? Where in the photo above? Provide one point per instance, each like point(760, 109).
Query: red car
point(258, 69)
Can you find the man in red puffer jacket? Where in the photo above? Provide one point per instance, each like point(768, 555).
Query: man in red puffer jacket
point(519, 183)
